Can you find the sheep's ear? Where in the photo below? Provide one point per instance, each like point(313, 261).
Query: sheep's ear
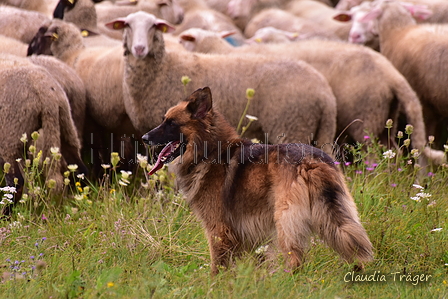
point(117, 24)
point(164, 26)
point(200, 103)
point(343, 17)
point(225, 34)
point(421, 12)
point(188, 37)
point(371, 15)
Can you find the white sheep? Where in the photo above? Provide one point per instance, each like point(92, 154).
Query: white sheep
point(31, 100)
point(169, 10)
point(284, 20)
point(291, 98)
point(21, 24)
point(365, 83)
point(418, 51)
point(199, 15)
point(101, 70)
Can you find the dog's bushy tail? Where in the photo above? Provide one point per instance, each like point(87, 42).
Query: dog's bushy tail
point(335, 217)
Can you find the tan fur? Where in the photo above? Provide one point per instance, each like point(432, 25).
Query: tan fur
point(244, 205)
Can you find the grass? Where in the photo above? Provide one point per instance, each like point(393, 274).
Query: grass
point(130, 236)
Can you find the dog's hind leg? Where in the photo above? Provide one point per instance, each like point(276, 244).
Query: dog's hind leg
point(292, 220)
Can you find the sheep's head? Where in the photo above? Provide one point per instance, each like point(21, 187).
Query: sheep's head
point(140, 32)
point(171, 10)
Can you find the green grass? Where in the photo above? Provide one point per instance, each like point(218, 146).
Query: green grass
point(142, 241)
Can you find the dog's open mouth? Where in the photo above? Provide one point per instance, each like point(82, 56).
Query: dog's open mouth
point(168, 154)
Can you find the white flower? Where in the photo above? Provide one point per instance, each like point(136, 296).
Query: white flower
point(105, 166)
point(54, 150)
point(261, 249)
point(79, 196)
point(436, 229)
point(80, 176)
point(416, 198)
point(251, 117)
point(24, 138)
point(72, 167)
point(445, 146)
point(424, 195)
point(389, 154)
point(141, 158)
point(125, 174)
point(417, 186)
point(8, 189)
point(123, 182)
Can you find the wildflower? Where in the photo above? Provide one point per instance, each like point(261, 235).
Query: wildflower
point(47, 161)
point(32, 149)
point(261, 249)
point(337, 163)
point(114, 159)
point(409, 129)
point(105, 166)
point(347, 163)
point(389, 154)
point(43, 217)
point(430, 139)
point(424, 195)
point(123, 183)
point(54, 150)
point(251, 117)
point(407, 142)
point(393, 185)
point(72, 167)
point(81, 176)
point(366, 137)
point(436, 229)
point(250, 93)
point(400, 134)
point(185, 80)
point(112, 191)
point(445, 147)
point(430, 174)
point(142, 161)
point(358, 171)
point(6, 167)
point(35, 135)
point(66, 181)
point(432, 203)
point(51, 184)
point(66, 174)
point(417, 186)
point(24, 138)
point(110, 284)
point(125, 174)
point(389, 123)
point(415, 153)
point(416, 198)
point(370, 168)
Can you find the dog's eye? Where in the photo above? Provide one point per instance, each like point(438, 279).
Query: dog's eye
point(170, 122)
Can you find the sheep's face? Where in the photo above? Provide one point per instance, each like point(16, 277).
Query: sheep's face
point(139, 32)
point(171, 11)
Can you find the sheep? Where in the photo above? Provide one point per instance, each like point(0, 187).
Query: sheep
point(35, 5)
point(364, 82)
point(199, 15)
point(283, 20)
point(39, 102)
point(321, 14)
point(169, 10)
point(21, 24)
point(12, 46)
point(288, 110)
point(419, 53)
point(439, 8)
point(72, 85)
point(82, 13)
point(101, 70)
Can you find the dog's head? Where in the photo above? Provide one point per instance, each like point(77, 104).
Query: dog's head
point(181, 125)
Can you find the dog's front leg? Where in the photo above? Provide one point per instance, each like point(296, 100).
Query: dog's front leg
point(221, 246)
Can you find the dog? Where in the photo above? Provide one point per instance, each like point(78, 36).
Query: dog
point(248, 194)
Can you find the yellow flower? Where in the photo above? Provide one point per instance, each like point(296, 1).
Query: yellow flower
point(110, 284)
point(77, 184)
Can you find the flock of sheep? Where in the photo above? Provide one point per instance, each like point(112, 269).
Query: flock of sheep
point(99, 75)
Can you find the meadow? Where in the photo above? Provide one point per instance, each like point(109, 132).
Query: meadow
point(133, 236)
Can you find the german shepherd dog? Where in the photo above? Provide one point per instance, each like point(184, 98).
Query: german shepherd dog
point(247, 194)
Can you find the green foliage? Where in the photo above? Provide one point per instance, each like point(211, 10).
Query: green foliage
point(133, 236)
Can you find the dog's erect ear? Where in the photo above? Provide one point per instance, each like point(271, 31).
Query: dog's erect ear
point(200, 102)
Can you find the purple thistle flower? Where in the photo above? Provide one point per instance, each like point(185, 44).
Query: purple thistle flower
point(366, 137)
point(370, 169)
point(337, 163)
point(8, 260)
point(358, 171)
point(32, 257)
point(374, 165)
point(393, 185)
point(430, 174)
point(44, 238)
point(347, 163)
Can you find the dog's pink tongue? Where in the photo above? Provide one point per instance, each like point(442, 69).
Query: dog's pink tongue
point(166, 151)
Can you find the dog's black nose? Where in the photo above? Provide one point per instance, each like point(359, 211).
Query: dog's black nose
point(146, 140)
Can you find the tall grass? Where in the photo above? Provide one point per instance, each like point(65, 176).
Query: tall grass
point(133, 236)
